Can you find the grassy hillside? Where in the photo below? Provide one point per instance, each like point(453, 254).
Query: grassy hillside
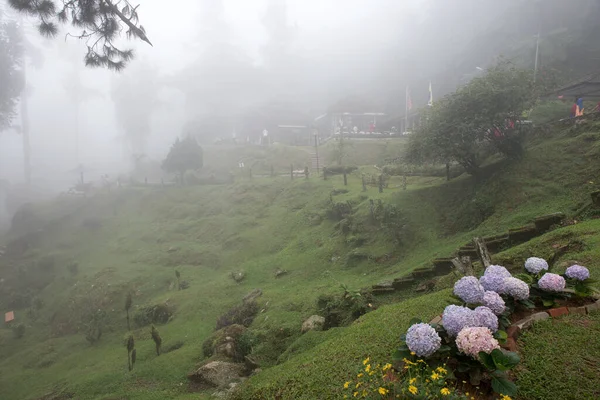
point(132, 240)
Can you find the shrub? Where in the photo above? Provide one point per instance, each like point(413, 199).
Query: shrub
point(242, 314)
point(18, 330)
point(156, 314)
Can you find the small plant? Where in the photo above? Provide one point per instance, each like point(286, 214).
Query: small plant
point(131, 353)
point(157, 339)
point(128, 303)
point(417, 380)
point(178, 276)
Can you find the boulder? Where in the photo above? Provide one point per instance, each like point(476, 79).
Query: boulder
point(252, 296)
point(313, 323)
point(238, 276)
point(218, 373)
point(224, 342)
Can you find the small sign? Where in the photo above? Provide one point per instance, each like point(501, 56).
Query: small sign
point(9, 316)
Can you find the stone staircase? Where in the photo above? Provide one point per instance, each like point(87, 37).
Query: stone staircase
point(494, 244)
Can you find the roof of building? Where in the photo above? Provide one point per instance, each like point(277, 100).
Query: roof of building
point(586, 87)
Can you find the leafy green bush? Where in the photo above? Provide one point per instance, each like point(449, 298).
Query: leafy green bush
point(242, 314)
point(156, 314)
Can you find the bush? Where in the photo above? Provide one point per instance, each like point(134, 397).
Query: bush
point(18, 330)
point(156, 314)
point(339, 211)
point(338, 170)
point(343, 309)
point(394, 221)
point(242, 314)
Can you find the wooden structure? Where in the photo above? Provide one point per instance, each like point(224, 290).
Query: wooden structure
point(9, 317)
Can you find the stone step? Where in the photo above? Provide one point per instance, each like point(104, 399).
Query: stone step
point(545, 222)
point(382, 290)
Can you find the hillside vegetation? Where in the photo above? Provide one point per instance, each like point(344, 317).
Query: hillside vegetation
point(71, 262)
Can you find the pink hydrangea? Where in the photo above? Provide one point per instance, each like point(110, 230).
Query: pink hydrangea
point(471, 341)
point(552, 282)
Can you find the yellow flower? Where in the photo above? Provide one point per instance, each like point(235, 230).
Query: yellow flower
point(360, 375)
point(445, 392)
point(505, 397)
point(435, 376)
point(368, 368)
point(441, 370)
point(412, 353)
point(387, 366)
point(383, 391)
point(355, 394)
point(421, 361)
point(413, 389)
point(412, 380)
point(346, 385)
point(357, 385)
point(366, 360)
point(371, 373)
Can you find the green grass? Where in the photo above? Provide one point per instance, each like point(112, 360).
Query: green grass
point(257, 227)
point(561, 359)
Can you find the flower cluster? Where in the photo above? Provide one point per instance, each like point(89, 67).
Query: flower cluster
point(493, 282)
point(423, 340)
point(469, 290)
point(535, 265)
point(552, 282)
point(455, 318)
point(486, 318)
point(418, 380)
point(578, 272)
point(516, 288)
point(473, 340)
point(497, 270)
point(494, 302)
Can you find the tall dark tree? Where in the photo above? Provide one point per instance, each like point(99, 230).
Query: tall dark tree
point(184, 155)
point(98, 22)
point(157, 339)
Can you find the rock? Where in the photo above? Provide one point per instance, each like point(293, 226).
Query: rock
point(557, 312)
point(224, 341)
point(510, 345)
point(238, 276)
point(172, 249)
point(593, 307)
point(384, 284)
point(313, 323)
point(218, 373)
point(252, 296)
point(527, 322)
point(437, 320)
point(513, 331)
point(577, 310)
point(280, 272)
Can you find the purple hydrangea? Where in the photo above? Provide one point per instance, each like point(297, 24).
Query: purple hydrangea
point(552, 282)
point(486, 317)
point(497, 270)
point(578, 272)
point(494, 302)
point(516, 288)
point(423, 339)
point(535, 265)
point(455, 318)
point(493, 282)
point(469, 290)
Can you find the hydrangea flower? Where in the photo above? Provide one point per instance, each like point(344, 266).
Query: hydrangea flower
point(552, 282)
point(486, 318)
point(475, 339)
point(455, 318)
point(578, 272)
point(516, 288)
point(469, 290)
point(494, 302)
point(493, 282)
point(535, 265)
point(423, 339)
point(497, 270)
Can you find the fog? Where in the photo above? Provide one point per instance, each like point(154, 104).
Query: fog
point(215, 63)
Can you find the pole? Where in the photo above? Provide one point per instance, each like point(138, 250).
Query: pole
point(25, 129)
point(406, 109)
point(537, 47)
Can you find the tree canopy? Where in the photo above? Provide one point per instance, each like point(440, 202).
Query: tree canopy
point(11, 58)
point(99, 23)
point(184, 155)
point(483, 115)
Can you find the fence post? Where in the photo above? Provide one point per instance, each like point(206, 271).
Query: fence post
point(380, 183)
point(345, 178)
point(292, 171)
point(364, 189)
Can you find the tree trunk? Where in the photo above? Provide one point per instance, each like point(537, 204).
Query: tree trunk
point(345, 178)
point(128, 326)
point(448, 172)
point(482, 252)
point(364, 185)
point(292, 171)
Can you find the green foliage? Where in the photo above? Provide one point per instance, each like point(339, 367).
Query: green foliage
point(93, 324)
point(242, 314)
point(18, 330)
point(466, 125)
point(99, 21)
point(393, 221)
point(156, 314)
point(184, 155)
